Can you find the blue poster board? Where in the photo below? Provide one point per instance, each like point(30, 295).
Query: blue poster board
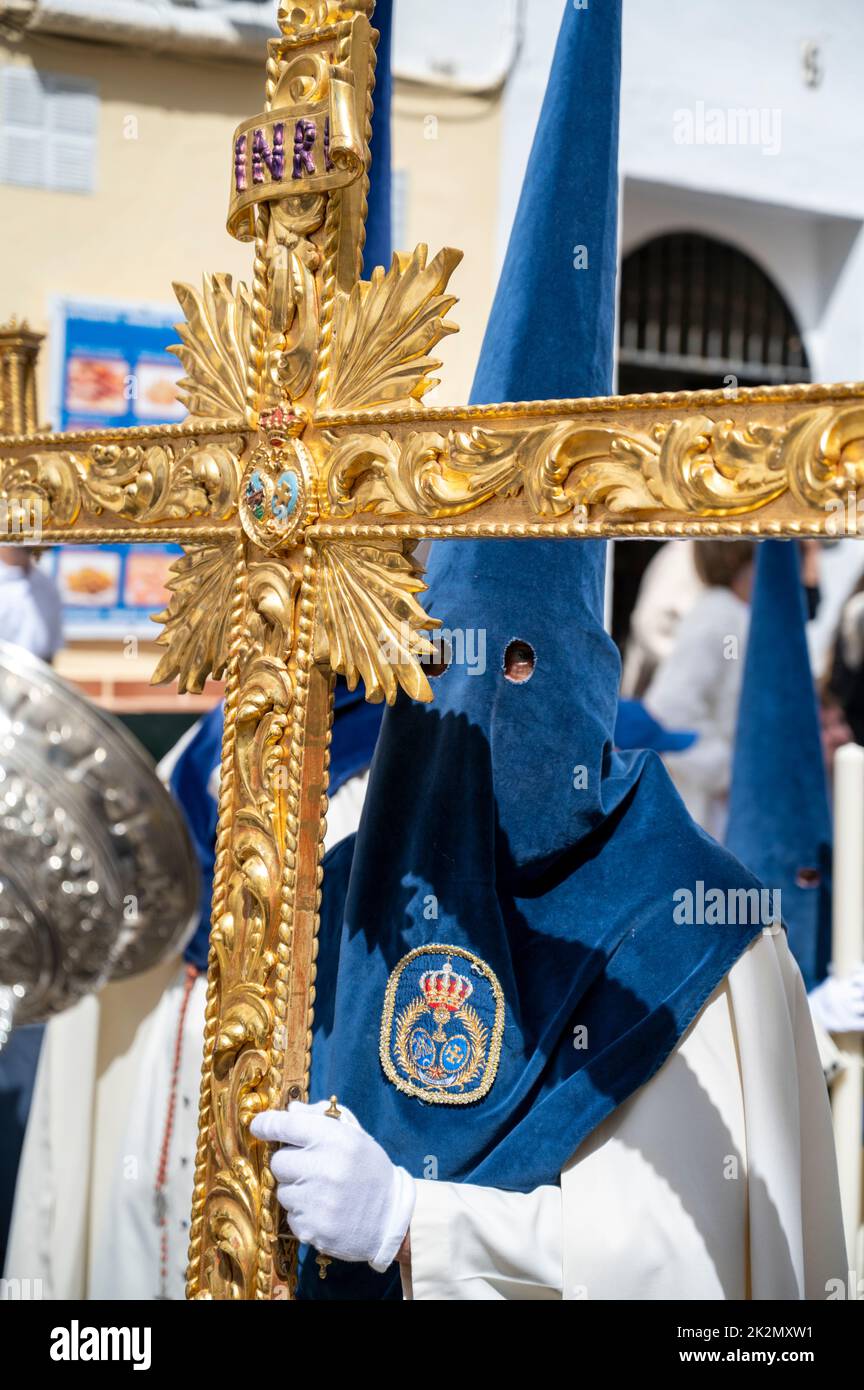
point(110, 591)
point(111, 367)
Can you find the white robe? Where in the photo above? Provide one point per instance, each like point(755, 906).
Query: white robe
point(716, 1180)
point(31, 610)
point(698, 687)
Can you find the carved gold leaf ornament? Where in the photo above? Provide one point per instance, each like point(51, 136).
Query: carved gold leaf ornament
point(697, 461)
point(213, 347)
point(694, 466)
point(162, 482)
point(292, 262)
point(139, 483)
point(373, 624)
point(294, 19)
point(196, 625)
point(384, 329)
point(719, 468)
point(241, 1067)
point(824, 453)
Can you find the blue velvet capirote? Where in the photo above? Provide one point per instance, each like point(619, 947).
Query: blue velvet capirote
point(779, 815)
point(499, 822)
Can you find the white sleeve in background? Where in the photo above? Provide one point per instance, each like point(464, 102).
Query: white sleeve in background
point(343, 812)
point(698, 688)
point(699, 685)
point(471, 1242)
point(669, 589)
point(30, 611)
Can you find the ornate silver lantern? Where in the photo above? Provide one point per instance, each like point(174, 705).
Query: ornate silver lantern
point(98, 877)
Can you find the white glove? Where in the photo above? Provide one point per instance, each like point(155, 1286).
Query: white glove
point(838, 1003)
point(339, 1189)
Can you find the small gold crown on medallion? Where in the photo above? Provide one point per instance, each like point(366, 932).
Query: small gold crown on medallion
point(445, 990)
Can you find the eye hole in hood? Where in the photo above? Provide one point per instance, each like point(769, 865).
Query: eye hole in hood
point(438, 661)
point(519, 661)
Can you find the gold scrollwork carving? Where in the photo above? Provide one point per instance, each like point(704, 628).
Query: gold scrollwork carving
point(246, 957)
point(141, 483)
point(292, 262)
point(296, 19)
point(696, 466)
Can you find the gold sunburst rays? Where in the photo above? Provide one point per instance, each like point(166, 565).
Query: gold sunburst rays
point(372, 622)
point(213, 347)
point(196, 625)
point(386, 327)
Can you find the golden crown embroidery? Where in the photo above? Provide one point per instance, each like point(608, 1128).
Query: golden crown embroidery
point(442, 1025)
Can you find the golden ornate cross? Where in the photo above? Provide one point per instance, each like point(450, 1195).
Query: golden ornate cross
point(306, 473)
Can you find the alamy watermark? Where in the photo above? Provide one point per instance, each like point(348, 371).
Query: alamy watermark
point(21, 516)
point(21, 1290)
point(726, 907)
point(757, 126)
point(77, 1343)
point(450, 646)
point(845, 515)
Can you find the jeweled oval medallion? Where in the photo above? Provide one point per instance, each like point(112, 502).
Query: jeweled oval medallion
point(442, 1025)
point(275, 493)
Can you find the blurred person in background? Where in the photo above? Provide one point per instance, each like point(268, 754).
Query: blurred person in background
point(670, 587)
point(834, 727)
point(845, 667)
point(31, 611)
point(698, 685)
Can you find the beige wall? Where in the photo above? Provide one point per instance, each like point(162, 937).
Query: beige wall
point(159, 210)
point(453, 201)
point(158, 213)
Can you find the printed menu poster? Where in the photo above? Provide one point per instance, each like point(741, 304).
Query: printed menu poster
point(111, 367)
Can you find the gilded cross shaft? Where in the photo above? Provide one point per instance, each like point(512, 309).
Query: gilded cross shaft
point(299, 486)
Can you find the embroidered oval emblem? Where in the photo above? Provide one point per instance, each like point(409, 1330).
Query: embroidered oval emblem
point(442, 1025)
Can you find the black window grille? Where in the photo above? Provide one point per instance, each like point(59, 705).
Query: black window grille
point(694, 307)
point(695, 312)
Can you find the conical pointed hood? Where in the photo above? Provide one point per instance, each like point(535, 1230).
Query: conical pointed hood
point(378, 247)
point(513, 880)
point(779, 817)
point(550, 334)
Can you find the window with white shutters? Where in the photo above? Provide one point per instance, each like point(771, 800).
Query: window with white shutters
point(48, 130)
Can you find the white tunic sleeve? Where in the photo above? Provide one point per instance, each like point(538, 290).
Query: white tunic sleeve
point(470, 1242)
point(796, 1241)
point(715, 1180)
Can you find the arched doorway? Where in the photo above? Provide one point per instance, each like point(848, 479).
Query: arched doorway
point(695, 313)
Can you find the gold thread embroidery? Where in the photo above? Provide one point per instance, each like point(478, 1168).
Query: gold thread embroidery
point(480, 1057)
